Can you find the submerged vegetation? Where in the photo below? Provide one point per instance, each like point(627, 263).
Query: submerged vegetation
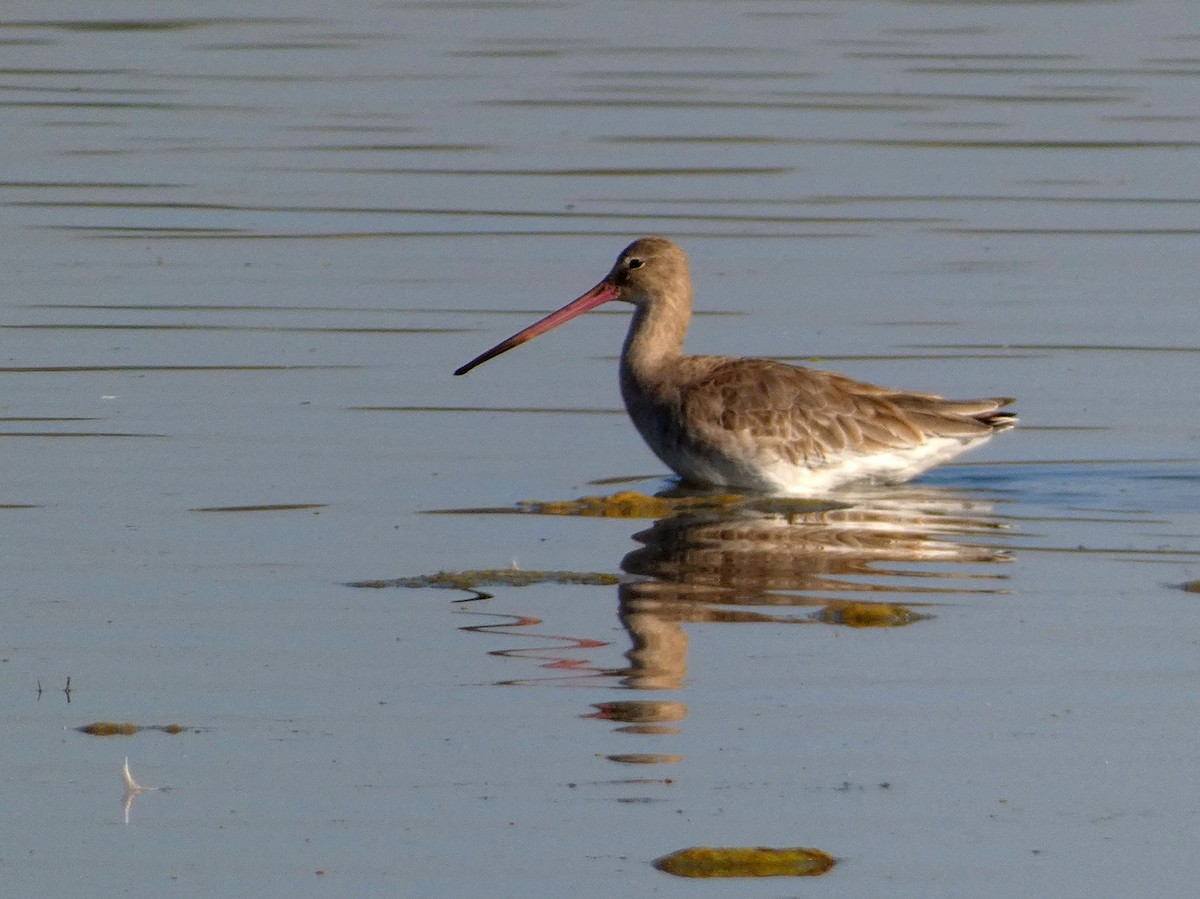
point(868, 614)
point(494, 577)
point(634, 505)
point(126, 728)
point(708, 861)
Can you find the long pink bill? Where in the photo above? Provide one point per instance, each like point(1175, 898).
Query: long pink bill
point(601, 293)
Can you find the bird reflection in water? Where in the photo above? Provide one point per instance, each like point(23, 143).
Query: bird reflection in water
point(879, 559)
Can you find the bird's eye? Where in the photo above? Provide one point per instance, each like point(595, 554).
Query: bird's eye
point(635, 263)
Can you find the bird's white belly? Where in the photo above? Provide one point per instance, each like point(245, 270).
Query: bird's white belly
point(781, 476)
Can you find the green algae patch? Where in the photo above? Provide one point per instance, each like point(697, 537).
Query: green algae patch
point(629, 504)
point(109, 729)
point(868, 614)
point(625, 504)
point(276, 507)
point(760, 861)
point(644, 758)
point(634, 505)
point(126, 728)
point(494, 577)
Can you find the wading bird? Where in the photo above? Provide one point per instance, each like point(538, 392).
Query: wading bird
point(757, 424)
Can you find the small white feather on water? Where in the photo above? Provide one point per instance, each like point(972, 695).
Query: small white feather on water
point(133, 789)
point(130, 783)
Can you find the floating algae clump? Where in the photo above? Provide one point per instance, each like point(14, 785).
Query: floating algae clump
point(868, 614)
point(495, 577)
point(632, 504)
point(627, 504)
point(109, 729)
point(709, 861)
point(126, 728)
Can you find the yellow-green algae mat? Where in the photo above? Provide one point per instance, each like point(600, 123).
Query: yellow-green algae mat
point(624, 504)
point(126, 728)
point(632, 504)
point(471, 581)
point(758, 861)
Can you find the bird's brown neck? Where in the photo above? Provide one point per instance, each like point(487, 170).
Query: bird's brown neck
point(656, 335)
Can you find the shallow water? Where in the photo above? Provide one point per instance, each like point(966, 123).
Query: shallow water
point(245, 252)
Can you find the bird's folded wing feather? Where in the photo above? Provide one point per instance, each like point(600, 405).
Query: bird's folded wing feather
point(809, 415)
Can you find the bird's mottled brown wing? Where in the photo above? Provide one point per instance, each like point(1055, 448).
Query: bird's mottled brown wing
point(807, 416)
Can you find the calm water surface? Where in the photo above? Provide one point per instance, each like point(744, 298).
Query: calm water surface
point(245, 249)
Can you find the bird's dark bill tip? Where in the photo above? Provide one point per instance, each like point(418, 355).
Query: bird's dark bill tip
point(477, 361)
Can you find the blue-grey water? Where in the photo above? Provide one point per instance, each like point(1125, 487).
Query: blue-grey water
point(244, 249)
